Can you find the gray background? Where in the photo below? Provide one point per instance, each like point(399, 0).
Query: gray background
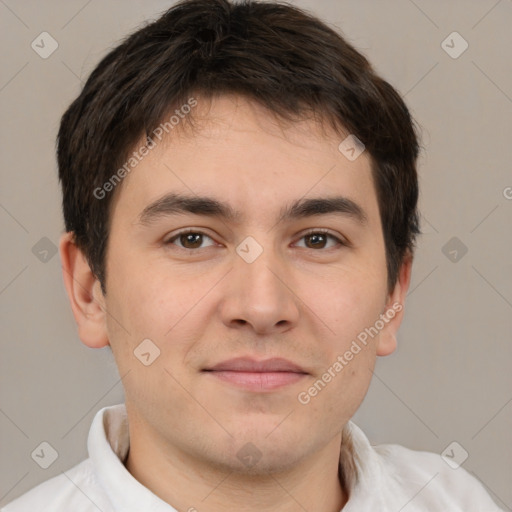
point(449, 380)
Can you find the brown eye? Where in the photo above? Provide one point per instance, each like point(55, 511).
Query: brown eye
point(319, 239)
point(189, 239)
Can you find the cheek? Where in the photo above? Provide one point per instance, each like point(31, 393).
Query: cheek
point(155, 301)
point(133, 303)
point(354, 305)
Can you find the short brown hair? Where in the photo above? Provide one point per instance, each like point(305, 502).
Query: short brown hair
point(274, 53)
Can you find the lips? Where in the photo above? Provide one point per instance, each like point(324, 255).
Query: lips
point(247, 364)
point(255, 376)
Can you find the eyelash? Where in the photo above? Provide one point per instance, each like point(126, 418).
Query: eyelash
point(322, 232)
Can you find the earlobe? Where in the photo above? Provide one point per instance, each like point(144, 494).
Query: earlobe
point(84, 292)
point(394, 310)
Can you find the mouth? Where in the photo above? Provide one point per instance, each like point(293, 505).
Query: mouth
point(258, 376)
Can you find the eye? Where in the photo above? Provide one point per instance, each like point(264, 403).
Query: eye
point(189, 239)
point(318, 238)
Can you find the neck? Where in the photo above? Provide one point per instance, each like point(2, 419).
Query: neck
point(188, 484)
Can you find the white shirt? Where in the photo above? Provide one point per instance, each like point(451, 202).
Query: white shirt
point(383, 478)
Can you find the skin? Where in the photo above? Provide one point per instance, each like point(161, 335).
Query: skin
point(297, 300)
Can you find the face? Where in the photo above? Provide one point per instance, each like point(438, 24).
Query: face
point(259, 285)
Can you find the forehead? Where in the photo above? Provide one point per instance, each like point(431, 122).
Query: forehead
point(236, 152)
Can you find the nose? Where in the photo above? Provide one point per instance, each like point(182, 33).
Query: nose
point(260, 295)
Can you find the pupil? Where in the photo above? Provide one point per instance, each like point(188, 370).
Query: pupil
point(189, 237)
point(316, 236)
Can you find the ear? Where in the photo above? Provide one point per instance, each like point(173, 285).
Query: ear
point(84, 292)
point(394, 309)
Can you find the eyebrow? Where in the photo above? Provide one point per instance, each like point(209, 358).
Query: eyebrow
point(175, 204)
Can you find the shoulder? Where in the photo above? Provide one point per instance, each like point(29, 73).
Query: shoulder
point(432, 483)
point(74, 489)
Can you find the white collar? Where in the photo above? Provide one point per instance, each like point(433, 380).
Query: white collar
point(108, 445)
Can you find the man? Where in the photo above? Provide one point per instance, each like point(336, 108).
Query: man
point(240, 198)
